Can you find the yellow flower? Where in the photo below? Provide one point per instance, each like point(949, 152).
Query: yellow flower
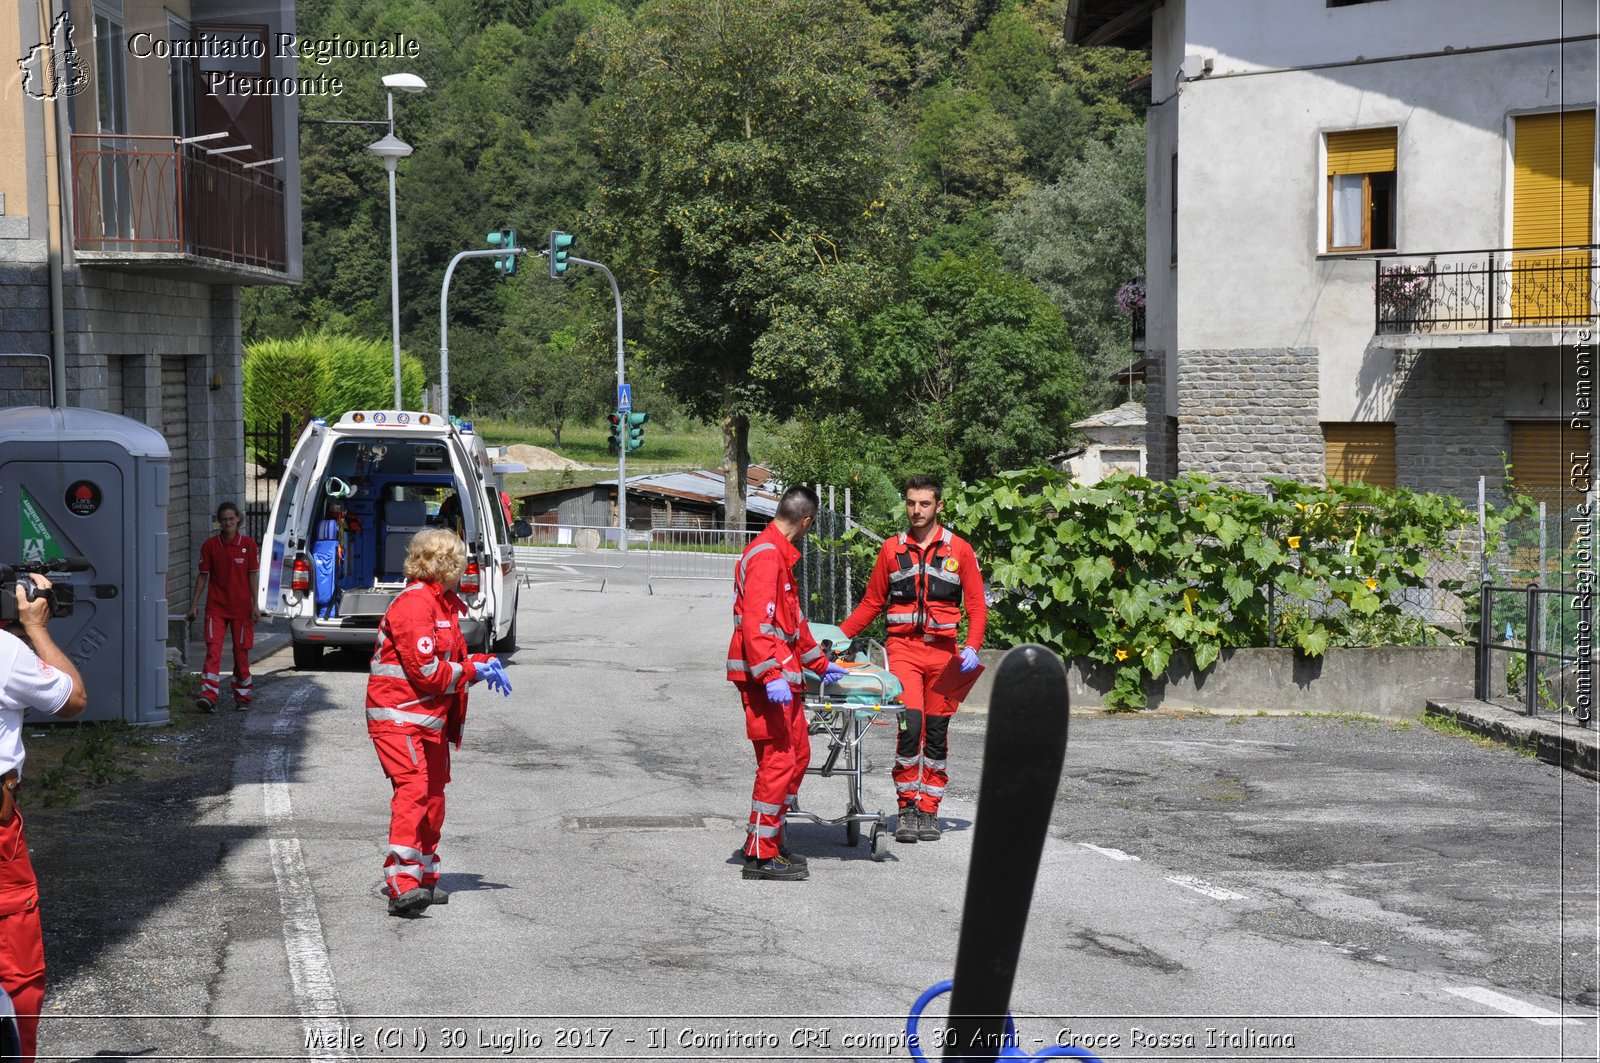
point(1294, 542)
point(1372, 584)
point(1122, 655)
point(1190, 596)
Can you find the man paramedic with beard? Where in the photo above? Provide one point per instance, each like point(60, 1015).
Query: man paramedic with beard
point(923, 577)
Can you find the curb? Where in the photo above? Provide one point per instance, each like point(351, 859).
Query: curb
point(1556, 740)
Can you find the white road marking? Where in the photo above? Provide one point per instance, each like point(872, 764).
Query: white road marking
point(315, 996)
point(1511, 1005)
point(1114, 854)
point(1200, 885)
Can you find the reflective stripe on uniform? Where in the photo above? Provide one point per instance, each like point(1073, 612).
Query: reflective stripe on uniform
point(744, 563)
point(807, 658)
point(934, 765)
point(907, 787)
point(433, 723)
point(392, 670)
point(797, 679)
point(902, 618)
point(932, 791)
point(767, 807)
point(762, 831)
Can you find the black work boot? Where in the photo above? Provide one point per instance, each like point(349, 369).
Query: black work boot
point(775, 868)
point(439, 894)
point(411, 902)
point(928, 830)
point(906, 828)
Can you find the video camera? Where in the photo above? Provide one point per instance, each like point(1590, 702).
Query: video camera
point(60, 595)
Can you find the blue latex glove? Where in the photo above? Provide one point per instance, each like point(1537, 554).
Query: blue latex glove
point(493, 673)
point(778, 692)
point(832, 673)
point(969, 658)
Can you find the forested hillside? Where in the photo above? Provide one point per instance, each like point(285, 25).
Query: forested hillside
point(896, 228)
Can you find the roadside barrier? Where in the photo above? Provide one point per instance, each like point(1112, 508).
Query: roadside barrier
point(695, 553)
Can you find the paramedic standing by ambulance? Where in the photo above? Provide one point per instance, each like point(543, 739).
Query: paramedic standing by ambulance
point(33, 675)
point(771, 645)
point(229, 564)
point(923, 577)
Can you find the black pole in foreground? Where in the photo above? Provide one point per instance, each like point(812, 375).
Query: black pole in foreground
point(1023, 752)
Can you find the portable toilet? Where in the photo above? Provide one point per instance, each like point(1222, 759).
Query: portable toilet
point(95, 484)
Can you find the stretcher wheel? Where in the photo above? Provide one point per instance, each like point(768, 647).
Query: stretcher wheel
point(852, 833)
point(880, 843)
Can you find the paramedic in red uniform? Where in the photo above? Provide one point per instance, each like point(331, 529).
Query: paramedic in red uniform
point(923, 577)
point(229, 564)
point(771, 645)
point(416, 706)
point(33, 675)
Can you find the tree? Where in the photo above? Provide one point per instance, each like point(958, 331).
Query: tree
point(972, 372)
point(570, 383)
point(1079, 240)
point(748, 192)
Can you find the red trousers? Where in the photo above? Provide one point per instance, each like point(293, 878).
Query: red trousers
point(783, 752)
point(244, 637)
point(418, 768)
point(921, 754)
point(21, 942)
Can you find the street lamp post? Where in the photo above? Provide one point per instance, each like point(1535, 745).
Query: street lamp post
point(391, 149)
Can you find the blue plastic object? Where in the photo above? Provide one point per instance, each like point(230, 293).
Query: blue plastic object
point(1006, 1051)
point(778, 692)
point(493, 673)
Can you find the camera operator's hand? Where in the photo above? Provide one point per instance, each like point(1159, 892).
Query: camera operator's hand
point(190, 615)
point(35, 614)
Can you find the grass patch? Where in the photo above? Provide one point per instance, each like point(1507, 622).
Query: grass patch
point(80, 757)
point(1449, 725)
point(1343, 717)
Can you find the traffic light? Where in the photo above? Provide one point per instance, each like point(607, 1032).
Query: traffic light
point(559, 242)
point(614, 443)
point(636, 423)
point(505, 239)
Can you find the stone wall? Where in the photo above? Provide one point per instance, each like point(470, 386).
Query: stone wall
point(1449, 420)
point(1161, 456)
point(1244, 414)
point(121, 326)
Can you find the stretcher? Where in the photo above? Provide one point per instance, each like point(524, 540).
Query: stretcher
point(844, 713)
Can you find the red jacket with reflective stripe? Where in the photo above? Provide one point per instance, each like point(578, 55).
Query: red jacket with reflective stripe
point(923, 589)
point(420, 667)
point(770, 635)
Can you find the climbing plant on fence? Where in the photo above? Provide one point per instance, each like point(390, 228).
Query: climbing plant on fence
point(1131, 571)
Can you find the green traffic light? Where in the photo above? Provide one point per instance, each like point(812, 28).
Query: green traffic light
point(493, 238)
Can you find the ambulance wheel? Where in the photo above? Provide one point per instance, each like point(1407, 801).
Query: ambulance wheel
point(852, 833)
point(307, 655)
point(880, 843)
point(509, 643)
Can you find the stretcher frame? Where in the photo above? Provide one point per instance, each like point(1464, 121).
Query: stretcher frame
point(846, 722)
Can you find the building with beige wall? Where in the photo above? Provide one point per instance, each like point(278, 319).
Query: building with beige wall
point(1371, 236)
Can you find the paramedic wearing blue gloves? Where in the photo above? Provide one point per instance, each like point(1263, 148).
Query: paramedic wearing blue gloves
point(771, 645)
point(922, 580)
point(416, 708)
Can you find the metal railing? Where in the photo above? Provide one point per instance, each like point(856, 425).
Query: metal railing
point(695, 553)
point(1532, 653)
point(158, 195)
point(1485, 290)
point(570, 546)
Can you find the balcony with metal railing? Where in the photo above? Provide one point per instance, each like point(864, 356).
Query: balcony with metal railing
point(157, 202)
point(1485, 292)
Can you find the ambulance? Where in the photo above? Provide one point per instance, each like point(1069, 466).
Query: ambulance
point(352, 496)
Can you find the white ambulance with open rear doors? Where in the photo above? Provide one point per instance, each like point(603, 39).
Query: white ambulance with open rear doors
point(353, 494)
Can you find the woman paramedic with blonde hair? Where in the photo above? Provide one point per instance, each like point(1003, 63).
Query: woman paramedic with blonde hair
point(416, 704)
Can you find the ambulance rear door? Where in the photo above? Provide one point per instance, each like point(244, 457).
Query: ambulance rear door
point(289, 523)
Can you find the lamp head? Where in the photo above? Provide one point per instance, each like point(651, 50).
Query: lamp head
point(404, 82)
point(391, 149)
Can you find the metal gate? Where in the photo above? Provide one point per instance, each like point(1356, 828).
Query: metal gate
point(266, 449)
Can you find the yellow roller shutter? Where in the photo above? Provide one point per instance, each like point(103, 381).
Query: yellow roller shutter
point(1552, 204)
point(1542, 459)
point(1361, 451)
point(1361, 151)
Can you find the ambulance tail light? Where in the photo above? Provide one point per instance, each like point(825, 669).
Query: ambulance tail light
point(469, 579)
point(300, 581)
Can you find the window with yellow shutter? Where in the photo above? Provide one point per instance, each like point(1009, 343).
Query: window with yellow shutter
point(1361, 189)
point(1361, 451)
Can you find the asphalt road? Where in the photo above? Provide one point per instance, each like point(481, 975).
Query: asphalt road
point(1212, 887)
